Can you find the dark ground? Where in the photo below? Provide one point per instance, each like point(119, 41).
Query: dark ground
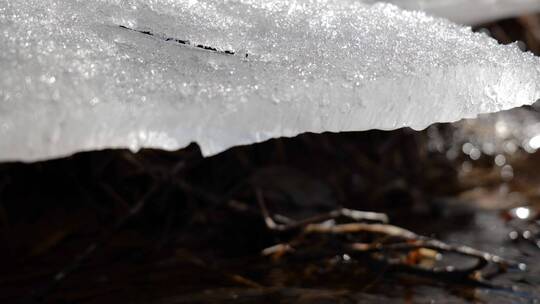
point(172, 227)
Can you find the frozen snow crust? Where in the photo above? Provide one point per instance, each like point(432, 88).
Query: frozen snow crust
point(469, 11)
point(86, 75)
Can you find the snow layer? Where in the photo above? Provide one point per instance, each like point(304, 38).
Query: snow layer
point(86, 75)
point(469, 11)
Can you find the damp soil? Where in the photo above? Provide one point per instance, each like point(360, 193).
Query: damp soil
point(173, 227)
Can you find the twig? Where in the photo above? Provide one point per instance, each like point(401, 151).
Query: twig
point(409, 241)
point(354, 215)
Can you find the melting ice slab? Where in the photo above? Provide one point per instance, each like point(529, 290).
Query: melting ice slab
point(85, 75)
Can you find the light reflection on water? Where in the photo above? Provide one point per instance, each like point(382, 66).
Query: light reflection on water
point(522, 212)
point(499, 139)
point(498, 158)
point(503, 133)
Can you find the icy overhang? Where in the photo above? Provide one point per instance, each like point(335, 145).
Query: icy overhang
point(86, 75)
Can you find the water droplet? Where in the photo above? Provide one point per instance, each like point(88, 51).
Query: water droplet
point(94, 101)
point(500, 160)
point(466, 148)
point(475, 154)
point(534, 142)
point(513, 235)
point(507, 172)
point(346, 108)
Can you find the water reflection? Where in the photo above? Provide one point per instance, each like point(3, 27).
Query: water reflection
point(504, 133)
point(498, 159)
point(522, 212)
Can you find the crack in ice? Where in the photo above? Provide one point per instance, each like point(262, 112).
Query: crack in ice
point(180, 41)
